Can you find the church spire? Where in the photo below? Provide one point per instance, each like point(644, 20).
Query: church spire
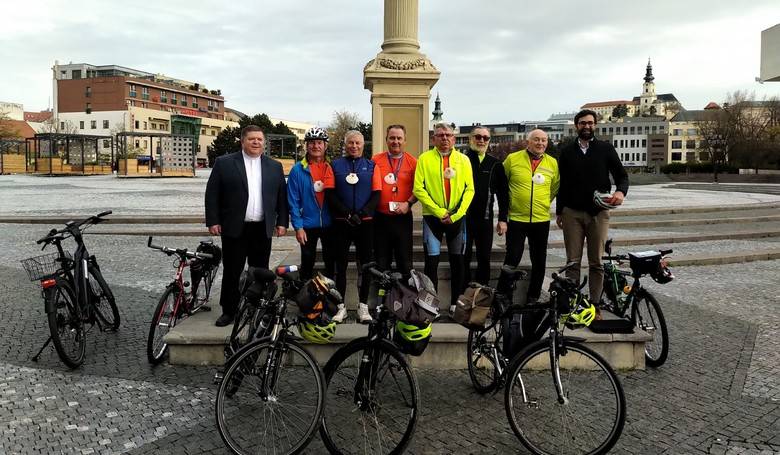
point(649, 72)
point(437, 112)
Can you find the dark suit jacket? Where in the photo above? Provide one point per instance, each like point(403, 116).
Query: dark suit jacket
point(227, 194)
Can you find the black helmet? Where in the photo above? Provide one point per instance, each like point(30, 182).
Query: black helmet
point(663, 274)
point(208, 247)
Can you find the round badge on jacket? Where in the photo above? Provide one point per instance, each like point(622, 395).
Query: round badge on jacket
point(319, 186)
point(538, 178)
point(352, 178)
point(390, 179)
point(449, 173)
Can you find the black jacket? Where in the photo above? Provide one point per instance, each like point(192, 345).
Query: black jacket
point(489, 181)
point(582, 174)
point(227, 194)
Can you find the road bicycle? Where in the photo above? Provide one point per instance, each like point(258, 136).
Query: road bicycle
point(271, 396)
point(635, 303)
point(182, 298)
point(74, 291)
point(561, 397)
point(372, 392)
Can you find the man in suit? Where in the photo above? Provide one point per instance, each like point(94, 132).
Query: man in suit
point(246, 203)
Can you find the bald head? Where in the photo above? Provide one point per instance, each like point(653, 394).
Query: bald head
point(537, 142)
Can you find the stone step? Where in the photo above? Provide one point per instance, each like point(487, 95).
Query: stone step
point(196, 341)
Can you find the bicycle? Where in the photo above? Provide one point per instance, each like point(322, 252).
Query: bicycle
point(561, 397)
point(373, 394)
point(176, 302)
point(618, 297)
point(272, 393)
point(74, 291)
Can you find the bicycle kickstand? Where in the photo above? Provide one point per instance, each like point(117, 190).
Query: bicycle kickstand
point(38, 355)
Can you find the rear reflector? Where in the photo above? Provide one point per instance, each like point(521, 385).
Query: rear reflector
point(46, 284)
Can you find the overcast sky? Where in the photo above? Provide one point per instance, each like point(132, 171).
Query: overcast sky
point(500, 61)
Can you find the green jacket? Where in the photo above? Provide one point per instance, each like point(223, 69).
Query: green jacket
point(529, 200)
point(429, 184)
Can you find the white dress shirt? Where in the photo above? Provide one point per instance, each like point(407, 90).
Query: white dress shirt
point(254, 183)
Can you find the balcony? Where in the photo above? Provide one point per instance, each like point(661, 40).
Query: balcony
point(133, 94)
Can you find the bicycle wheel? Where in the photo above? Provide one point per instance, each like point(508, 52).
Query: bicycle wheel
point(65, 324)
point(163, 321)
point(650, 318)
point(278, 403)
point(244, 327)
point(481, 350)
point(103, 300)
point(588, 421)
point(201, 289)
point(372, 406)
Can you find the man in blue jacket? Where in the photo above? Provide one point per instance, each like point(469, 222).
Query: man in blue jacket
point(352, 203)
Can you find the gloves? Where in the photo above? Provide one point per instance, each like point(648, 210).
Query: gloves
point(353, 219)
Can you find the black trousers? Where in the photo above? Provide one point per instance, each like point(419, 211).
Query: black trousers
point(436, 230)
point(252, 246)
point(479, 234)
point(309, 252)
point(393, 239)
point(537, 234)
point(344, 236)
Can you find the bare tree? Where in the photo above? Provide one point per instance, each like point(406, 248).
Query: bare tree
point(51, 125)
point(343, 121)
point(6, 130)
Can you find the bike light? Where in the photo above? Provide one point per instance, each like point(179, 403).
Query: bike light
point(46, 284)
point(627, 289)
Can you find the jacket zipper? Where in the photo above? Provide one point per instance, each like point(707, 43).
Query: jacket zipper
point(531, 202)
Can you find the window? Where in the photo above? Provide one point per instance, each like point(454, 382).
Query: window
point(633, 143)
point(105, 124)
point(625, 130)
point(676, 132)
point(145, 125)
point(62, 125)
point(106, 143)
point(661, 128)
point(653, 129)
point(88, 92)
point(690, 144)
point(93, 124)
point(644, 157)
point(154, 126)
point(81, 124)
point(133, 93)
point(622, 143)
point(644, 143)
point(137, 142)
point(647, 129)
point(163, 96)
point(632, 130)
point(76, 74)
point(173, 98)
point(145, 93)
point(203, 131)
point(137, 125)
point(88, 108)
point(213, 133)
point(195, 103)
point(676, 144)
point(183, 100)
point(616, 143)
point(692, 132)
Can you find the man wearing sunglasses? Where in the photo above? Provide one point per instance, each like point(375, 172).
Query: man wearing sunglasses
point(489, 184)
point(585, 166)
point(444, 185)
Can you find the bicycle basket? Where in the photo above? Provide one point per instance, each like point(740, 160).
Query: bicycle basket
point(46, 265)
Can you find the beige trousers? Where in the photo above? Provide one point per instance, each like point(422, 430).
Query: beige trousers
point(577, 227)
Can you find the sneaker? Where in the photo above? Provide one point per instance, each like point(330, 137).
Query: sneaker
point(363, 314)
point(340, 314)
point(452, 310)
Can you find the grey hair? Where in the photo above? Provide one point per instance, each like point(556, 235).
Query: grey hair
point(351, 133)
point(443, 126)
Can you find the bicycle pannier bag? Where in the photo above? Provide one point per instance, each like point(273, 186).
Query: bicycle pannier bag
point(415, 304)
point(473, 306)
point(521, 329)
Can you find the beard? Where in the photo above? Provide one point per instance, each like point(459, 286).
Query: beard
point(479, 148)
point(585, 134)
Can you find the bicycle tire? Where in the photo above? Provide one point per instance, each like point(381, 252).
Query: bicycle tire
point(591, 419)
point(482, 364)
point(249, 421)
point(104, 303)
point(347, 415)
point(649, 318)
point(66, 325)
point(163, 320)
point(201, 289)
point(244, 327)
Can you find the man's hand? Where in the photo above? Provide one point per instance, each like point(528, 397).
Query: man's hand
point(402, 208)
point(616, 199)
point(216, 229)
point(501, 227)
point(446, 219)
point(300, 236)
point(559, 221)
point(281, 230)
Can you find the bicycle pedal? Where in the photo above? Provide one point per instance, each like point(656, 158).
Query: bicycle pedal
point(218, 377)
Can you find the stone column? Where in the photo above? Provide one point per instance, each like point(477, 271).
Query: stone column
point(400, 79)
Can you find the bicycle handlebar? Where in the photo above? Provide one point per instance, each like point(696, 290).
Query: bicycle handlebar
point(181, 252)
point(624, 257)
point(390, 277)
point(55, 234)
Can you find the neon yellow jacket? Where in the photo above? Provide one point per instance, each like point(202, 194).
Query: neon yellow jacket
point(529, 199)
point(429, 184)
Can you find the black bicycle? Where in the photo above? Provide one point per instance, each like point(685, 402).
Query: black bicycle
point(372, 392)
point(181, 299)
point(272, 394)
point(74, 291)
point(645, 313)
point(560, 396)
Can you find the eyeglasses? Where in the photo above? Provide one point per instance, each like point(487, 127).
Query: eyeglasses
point(443, 135)
point(586, 123)
point(481, 137)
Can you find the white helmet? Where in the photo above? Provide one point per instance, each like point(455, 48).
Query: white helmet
point(315, 133)
point(600, 200)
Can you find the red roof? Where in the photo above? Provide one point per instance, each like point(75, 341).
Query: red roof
point(21, 128)
point(712, 105)
point(37, 117)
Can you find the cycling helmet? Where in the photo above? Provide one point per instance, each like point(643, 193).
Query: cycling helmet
point(599, 200)
point(663, 274)
point(317, 296)
point(410, 338)
point(315, 133)
point(582, 312)
point(208, 247)
point(317, 332)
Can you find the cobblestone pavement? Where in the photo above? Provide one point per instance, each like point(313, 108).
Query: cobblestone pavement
point(719, 392)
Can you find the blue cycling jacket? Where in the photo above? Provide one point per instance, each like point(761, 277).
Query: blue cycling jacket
point(305, 212)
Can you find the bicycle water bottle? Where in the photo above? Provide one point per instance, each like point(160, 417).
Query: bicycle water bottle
point(282, 269)
point(623, 297)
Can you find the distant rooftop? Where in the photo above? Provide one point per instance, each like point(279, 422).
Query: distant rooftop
point(89, 71)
